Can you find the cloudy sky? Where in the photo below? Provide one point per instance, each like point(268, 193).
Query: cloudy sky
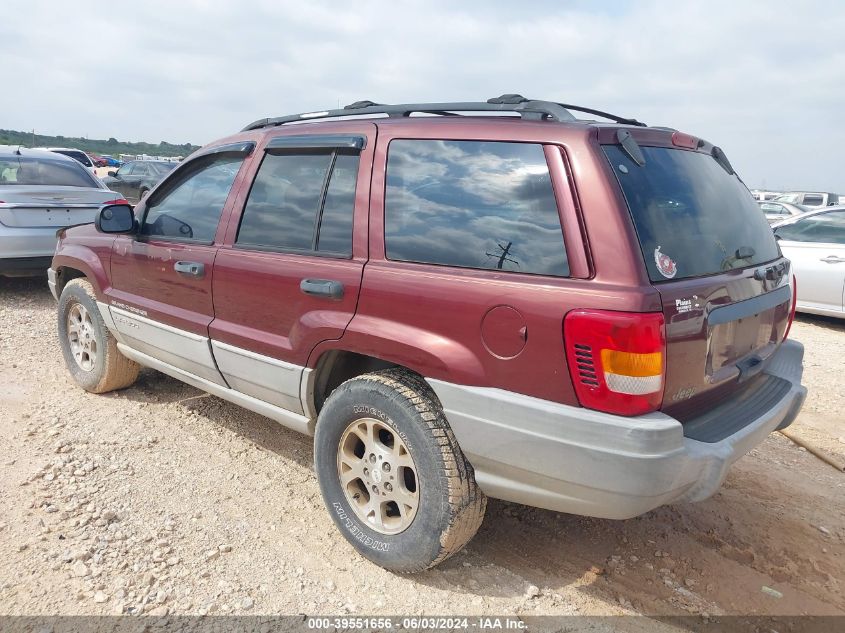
point(765, 80)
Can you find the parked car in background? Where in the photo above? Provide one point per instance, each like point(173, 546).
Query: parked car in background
point(422, 296)
point(111, 161)
point(136, 178)
point(41, 192)
point(76, 154)
point(759, 194)
point(809, 199)
point(777, 211)
point(815, 243)
point(98, 161)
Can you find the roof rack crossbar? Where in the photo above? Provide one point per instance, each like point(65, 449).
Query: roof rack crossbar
point(526, 108)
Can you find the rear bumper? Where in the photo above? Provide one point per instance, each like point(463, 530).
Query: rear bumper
point(575, 460)
point(23, 266)
point(19, 243)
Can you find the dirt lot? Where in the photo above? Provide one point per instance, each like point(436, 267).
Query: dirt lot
point(163, 499)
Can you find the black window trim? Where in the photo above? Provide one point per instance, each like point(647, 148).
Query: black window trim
point(323, 144)
point(543, 145)
point(350, 142)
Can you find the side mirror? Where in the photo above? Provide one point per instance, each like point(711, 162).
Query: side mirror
point(115, 218)
point(112, 173)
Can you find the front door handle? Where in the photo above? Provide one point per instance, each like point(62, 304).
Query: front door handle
point(833, 259)
point(327, 288)
point(192, 269)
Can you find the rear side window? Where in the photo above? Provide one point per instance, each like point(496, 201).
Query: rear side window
point(301, 202)
point(473, 204)
point(692, 218)
point(813, 200)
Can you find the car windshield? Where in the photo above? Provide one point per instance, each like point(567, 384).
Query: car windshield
point(163, 168)
point(23, 170)
point(692, 217)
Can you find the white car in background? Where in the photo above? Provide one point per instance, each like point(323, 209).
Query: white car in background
point(815, 243)
point(810, 199)
point(41, 192)
point(76, 154)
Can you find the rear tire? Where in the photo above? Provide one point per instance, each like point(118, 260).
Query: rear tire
point(89, 349)
point(392, 475)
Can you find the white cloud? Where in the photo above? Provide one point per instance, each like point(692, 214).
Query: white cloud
point(766, 81)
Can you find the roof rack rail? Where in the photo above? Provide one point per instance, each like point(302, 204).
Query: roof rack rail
point(527, 109)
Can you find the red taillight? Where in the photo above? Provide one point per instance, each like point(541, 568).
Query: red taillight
point(792, 310)
point(617, 360)
point(679, 139)
point(115, 201)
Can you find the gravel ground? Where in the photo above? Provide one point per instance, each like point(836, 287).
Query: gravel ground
point(161, 499)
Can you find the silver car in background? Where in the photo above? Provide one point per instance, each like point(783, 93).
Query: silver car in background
point(41, 192)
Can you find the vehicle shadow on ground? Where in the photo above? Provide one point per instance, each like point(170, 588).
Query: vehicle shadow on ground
point(826, 322)
point(608, 561)
point(32, 290)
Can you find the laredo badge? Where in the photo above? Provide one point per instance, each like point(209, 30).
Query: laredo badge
point(665, 264)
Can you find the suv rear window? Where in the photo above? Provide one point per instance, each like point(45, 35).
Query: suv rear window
point(688, 209)
point(473, 204)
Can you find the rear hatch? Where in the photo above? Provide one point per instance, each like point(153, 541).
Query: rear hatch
point(712, 256)
point(33, 206)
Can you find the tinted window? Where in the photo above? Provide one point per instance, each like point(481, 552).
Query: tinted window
point(812, 200)
point(336, 223)
point(81, 156)
point(21, 170)
point(690, 211)
point(473, 204)
point(160, 169)
point(824, 227)
point(284, 204)
point(140, 169)
point(126, 170)
point(189, 209)
point(284, 201)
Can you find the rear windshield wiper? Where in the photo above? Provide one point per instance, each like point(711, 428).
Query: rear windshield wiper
point(719, 155)
point(630, 147)
point(742, 253)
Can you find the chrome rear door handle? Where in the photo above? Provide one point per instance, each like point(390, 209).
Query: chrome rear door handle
point(832, 259)
point(192, 269)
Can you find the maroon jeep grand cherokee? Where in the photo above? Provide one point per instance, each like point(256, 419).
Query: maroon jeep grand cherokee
point(582, 316)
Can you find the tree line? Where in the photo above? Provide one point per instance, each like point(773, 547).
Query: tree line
point(111, 146)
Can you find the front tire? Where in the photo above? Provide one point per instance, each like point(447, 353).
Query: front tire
point(392, 475)
point(89, 349)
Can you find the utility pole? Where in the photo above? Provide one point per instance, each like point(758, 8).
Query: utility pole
point(33, 137)
point(504, 256)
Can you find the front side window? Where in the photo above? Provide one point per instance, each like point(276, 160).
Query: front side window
point(126, 170)
point(189, 209)
point(473, 204)
point(827, 228)
point(301, 202)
